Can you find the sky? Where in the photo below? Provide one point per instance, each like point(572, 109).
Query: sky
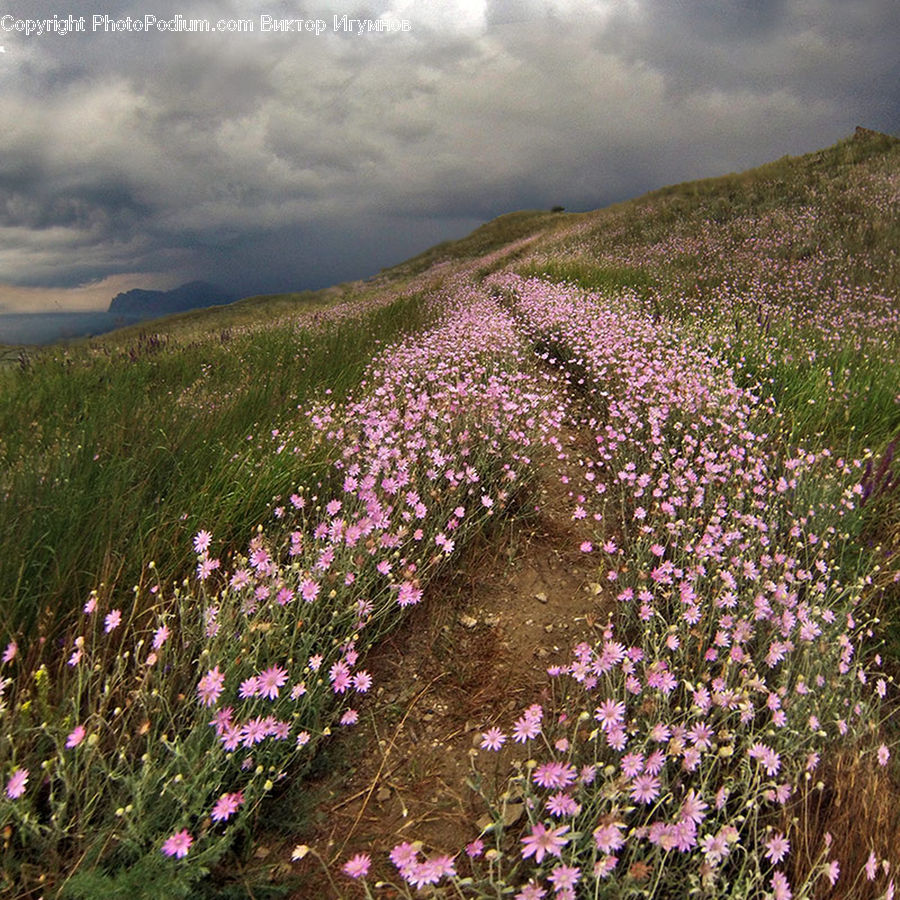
point(267, 161)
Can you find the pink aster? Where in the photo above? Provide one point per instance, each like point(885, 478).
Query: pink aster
point(777, 848)
point(160, 636)
point(871, 866)
point(210, 687)
point(561, 804)
point(526, 728)
point(693, 808)
point(357, 866)
point(564, 877)
point(554, 775)
point(781, 888)
point(76, 736)
point(15, 787)
point(543, 840)
point(492, 739)
point(178, 844)
point(269, 681)
point(408, 594)
point(610, 713)
point(645, 788)
point(362, 681)
point(340, 677)
point(883, 755)
point(226, 806)
point(608, 837)
point(113, 620)
point(9, 654)
point(201, 541)
point(249, 687)
point(404, 855)
point(475, 849)
point(309, 590)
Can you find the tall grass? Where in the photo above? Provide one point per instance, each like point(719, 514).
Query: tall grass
point(111, 458)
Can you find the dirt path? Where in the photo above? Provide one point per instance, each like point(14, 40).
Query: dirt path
point(473, 656)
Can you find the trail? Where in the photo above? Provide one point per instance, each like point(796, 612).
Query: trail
point(473, 656)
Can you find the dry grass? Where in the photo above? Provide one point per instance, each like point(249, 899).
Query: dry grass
point(857, 799)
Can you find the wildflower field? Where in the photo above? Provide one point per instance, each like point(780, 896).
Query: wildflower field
point(210, 538)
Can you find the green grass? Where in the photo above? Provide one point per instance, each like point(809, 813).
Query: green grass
point(586, 274)
point(116, 457)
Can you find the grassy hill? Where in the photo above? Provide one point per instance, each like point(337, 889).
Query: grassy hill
point(213, 522)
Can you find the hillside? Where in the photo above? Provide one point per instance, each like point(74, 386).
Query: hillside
point(559, 560)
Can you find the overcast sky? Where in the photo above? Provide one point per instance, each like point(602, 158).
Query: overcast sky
point(279, 161)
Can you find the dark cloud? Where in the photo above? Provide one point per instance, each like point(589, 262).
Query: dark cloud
point(280, 161)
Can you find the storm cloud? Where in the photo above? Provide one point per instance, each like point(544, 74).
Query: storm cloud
point(277, 161)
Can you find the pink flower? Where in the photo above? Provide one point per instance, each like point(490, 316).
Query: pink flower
point(210, 687)
point(249, 687)
point(160, 636)
point(15, 787)
point(269, 681)
point(608, 837)
point(610, 713)
point(492, 739)
point(309, 590)
point(561, 804)
point(75, 737)
point(781, 887)
point(563, 877)
point(10, 652)
point(554, 775)
point(226, 806)
point(404, 855)
point(113, 620)
point(178, 844)
point(543, 840)
point(475, 849)
point(883, 755)
point(645, 788)
point(357, 866)
point(526, 728)
point(408, 594)
point(201, 541)
point(777, 848)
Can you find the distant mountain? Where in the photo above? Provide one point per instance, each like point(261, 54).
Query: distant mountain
point(152, 304)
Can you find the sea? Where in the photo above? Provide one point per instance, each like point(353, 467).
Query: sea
point(38, 329)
